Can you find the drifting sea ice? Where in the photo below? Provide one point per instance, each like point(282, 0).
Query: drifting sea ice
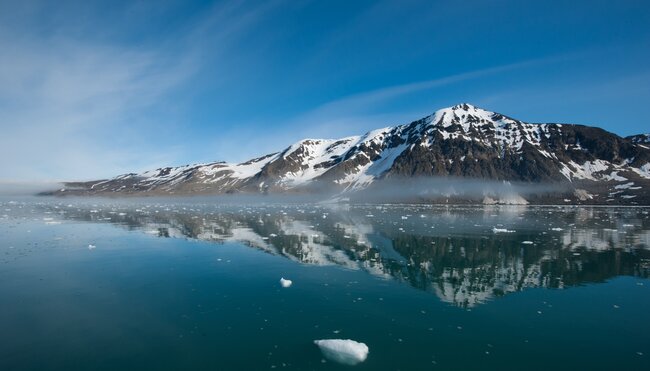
point(285, 283)
point(502, 230)
point(347, 352)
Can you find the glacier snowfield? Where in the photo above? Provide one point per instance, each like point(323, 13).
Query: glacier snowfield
point(187, 284)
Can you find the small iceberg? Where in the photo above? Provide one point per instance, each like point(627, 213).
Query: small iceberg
point(347, 352)
point(502, 230)
point(285, 283)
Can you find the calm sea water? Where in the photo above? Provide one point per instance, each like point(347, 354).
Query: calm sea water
point(116, 285)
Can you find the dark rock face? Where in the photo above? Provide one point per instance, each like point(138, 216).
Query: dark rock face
point(639, 138)
point(461, 141)
point(484, 157)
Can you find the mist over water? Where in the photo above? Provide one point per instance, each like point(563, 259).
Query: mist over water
point(442, 188)
point(410, 189)
point(387, 190)
point(8, 188)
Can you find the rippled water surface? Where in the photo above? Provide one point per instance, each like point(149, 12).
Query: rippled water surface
point(189, 284)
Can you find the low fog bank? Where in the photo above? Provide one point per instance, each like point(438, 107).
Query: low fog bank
point(189, 200)
point(8, 188)
point(393, 190)
point(451, 189)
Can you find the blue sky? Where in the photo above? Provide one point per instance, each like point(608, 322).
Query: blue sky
point(94, 89)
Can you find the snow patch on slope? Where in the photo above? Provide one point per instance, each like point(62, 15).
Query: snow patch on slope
point(643, 171)
point(588, 170)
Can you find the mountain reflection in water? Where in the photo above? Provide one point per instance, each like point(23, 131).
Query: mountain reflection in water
point(464, 255)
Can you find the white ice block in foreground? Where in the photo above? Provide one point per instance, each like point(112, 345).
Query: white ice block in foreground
point(285, 283)
point(347, 352)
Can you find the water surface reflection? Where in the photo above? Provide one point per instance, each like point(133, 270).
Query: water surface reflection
point(464, 255)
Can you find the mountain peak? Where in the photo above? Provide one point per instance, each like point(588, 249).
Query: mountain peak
point(465, 107)
point(464, 114)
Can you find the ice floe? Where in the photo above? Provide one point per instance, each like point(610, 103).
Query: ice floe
point(502, 230)
point(285, 283)
point(347, 352)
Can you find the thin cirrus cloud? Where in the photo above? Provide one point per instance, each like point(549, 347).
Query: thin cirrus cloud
point(75, 108)
point(56, 96)
point(356, 113)
point(369, 99)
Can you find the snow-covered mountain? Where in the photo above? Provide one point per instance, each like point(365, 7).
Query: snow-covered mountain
point(460, 141)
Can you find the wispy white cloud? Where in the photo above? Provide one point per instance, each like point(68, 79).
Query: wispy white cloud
point(74, 107)
point(60, 100)
point(370, 99)
point(366, 110)
point(353, 114)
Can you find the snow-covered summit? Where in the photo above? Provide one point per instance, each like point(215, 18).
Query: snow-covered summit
point(463, 113)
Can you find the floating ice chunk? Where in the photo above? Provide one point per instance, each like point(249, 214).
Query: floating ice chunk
point(91, 247)
point(285, 283)
point(347, 352)
point(502, 230)
point(527, 242)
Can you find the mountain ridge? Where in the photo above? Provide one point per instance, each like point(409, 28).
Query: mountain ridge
point(461, 141)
